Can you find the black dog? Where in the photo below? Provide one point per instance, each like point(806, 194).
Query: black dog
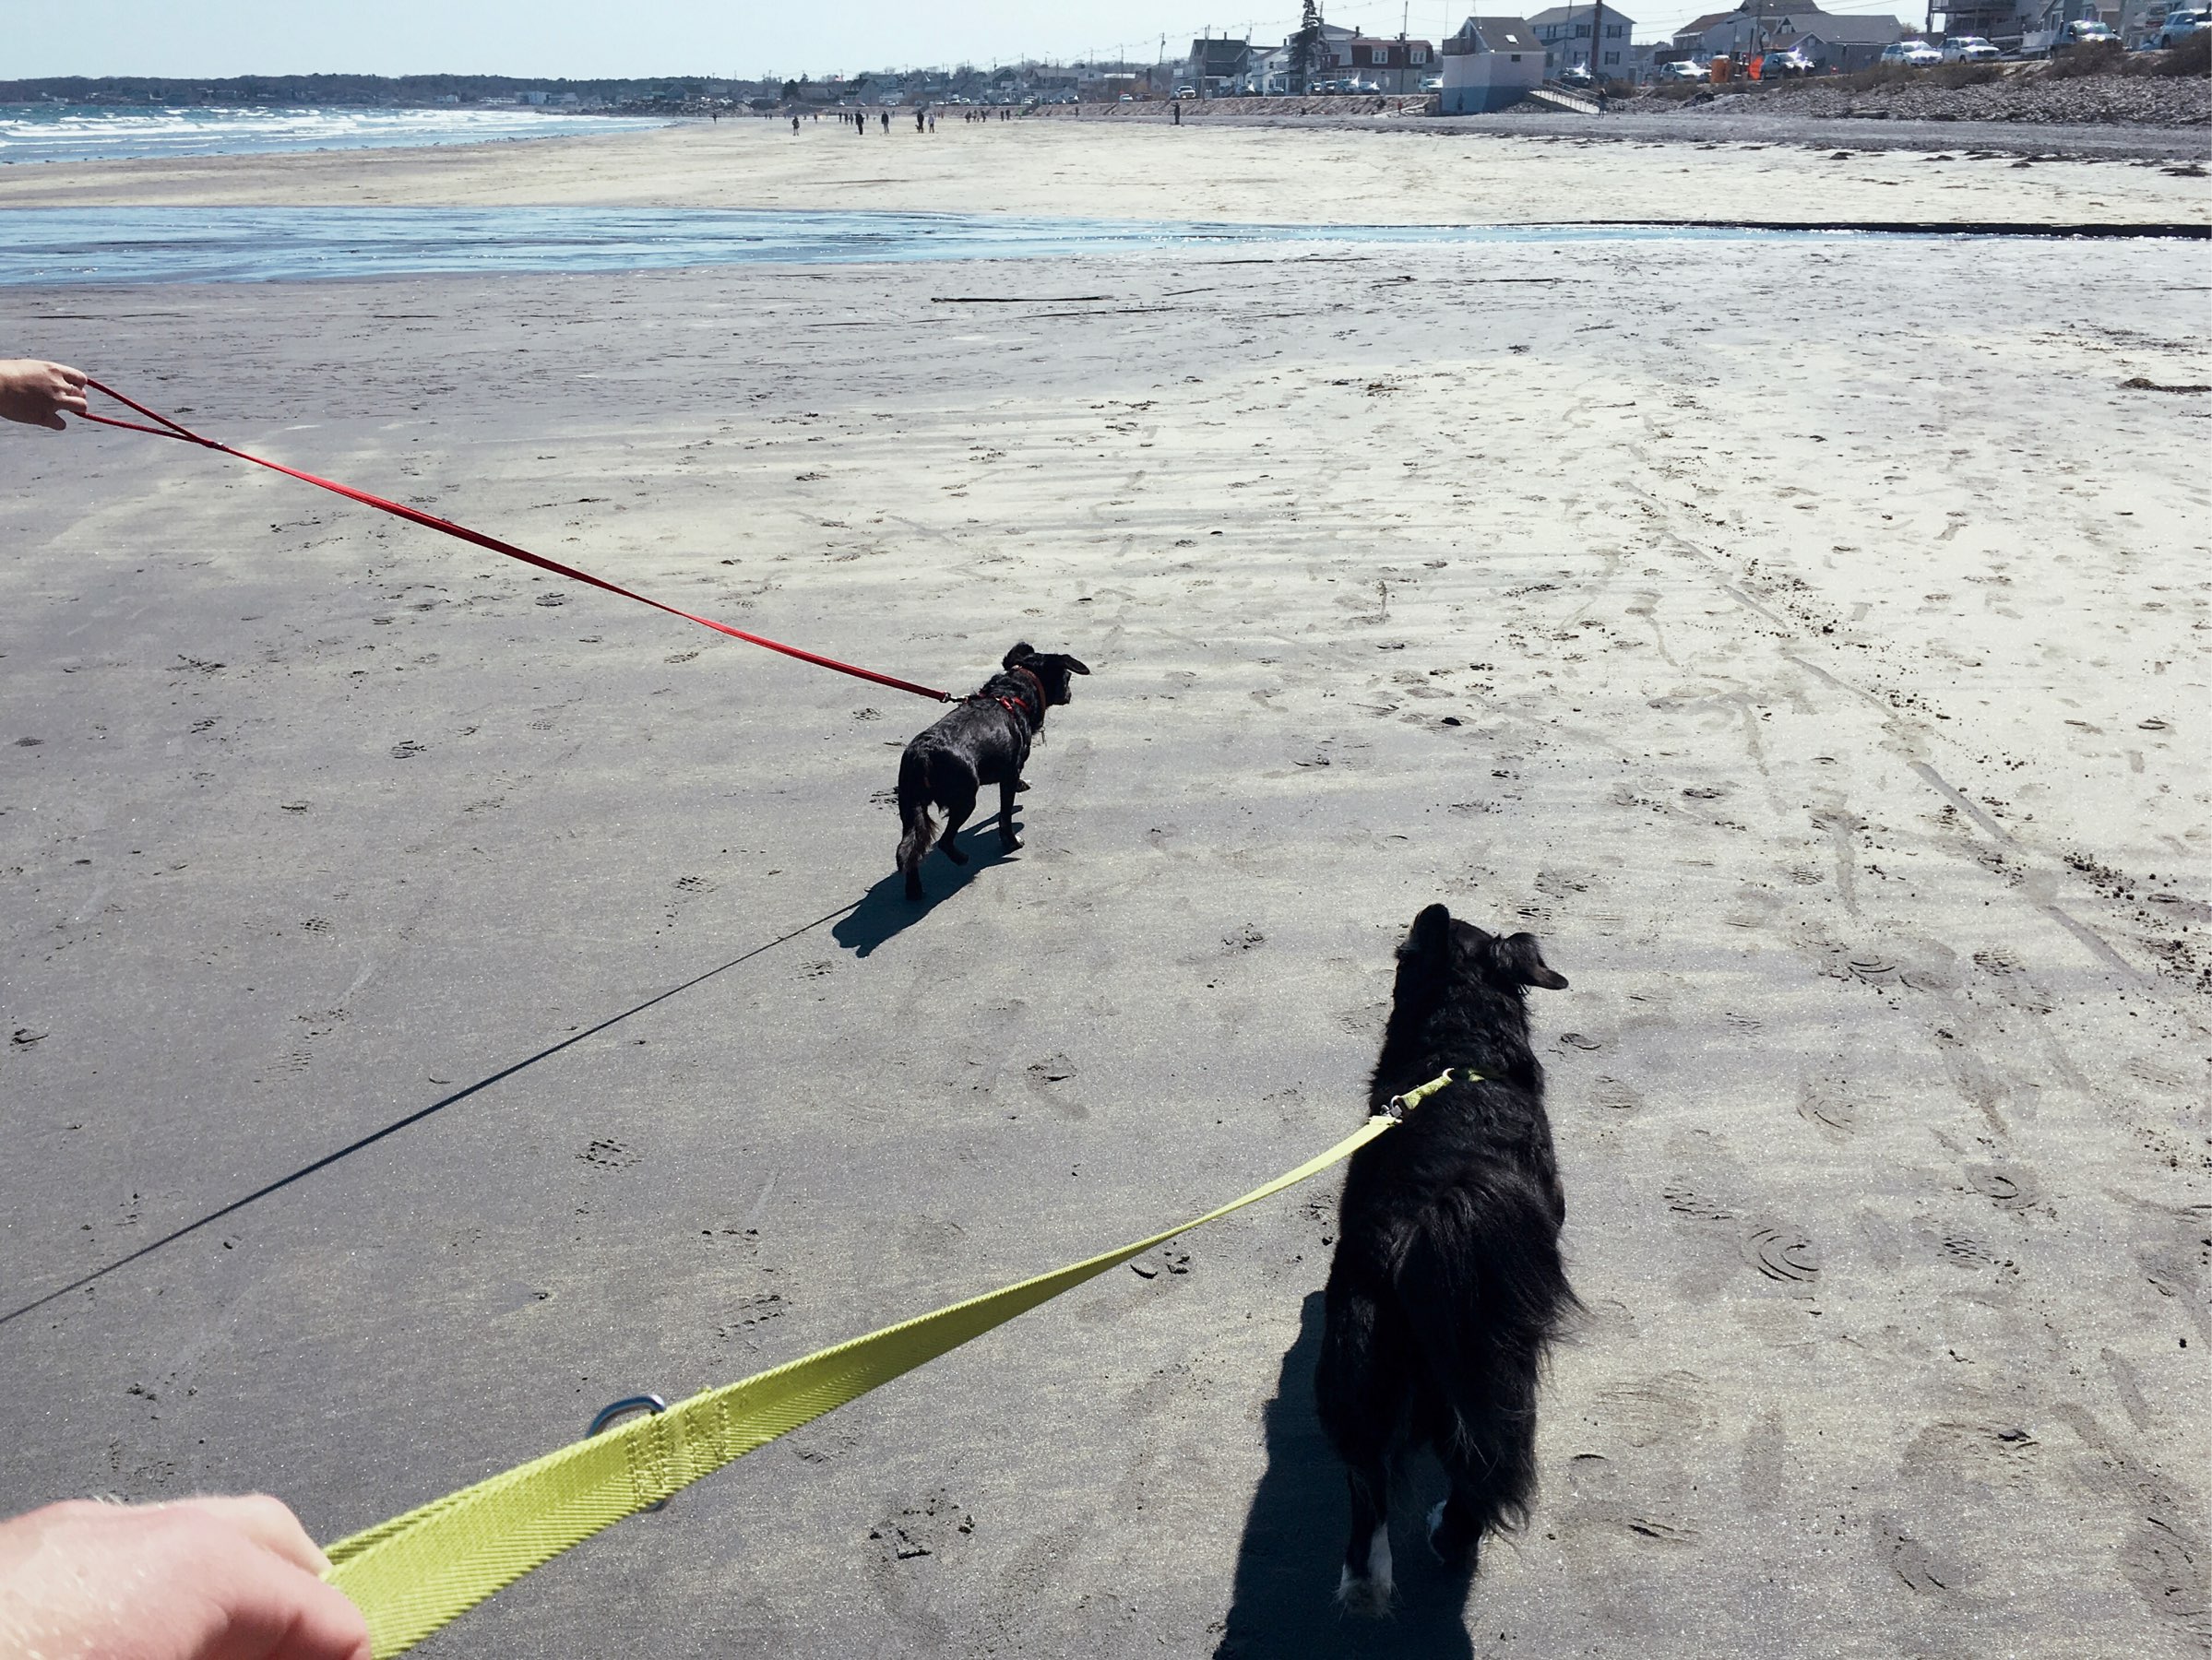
point(1447, 1285)
point(984, 740)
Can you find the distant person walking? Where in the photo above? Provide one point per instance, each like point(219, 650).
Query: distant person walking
point(887, 121)
point(794, 122)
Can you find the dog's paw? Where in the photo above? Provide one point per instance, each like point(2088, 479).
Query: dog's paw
point(1020, 784)
point(1009, 843)
point(953, 852)
point(1368, 1598)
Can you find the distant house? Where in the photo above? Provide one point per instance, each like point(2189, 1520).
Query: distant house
point(1491, 64)
point(1394, 66)
point(1690, 35)
point(1846, 44)
point(1216, 66)
point(1564, 32)
point(1828, 38)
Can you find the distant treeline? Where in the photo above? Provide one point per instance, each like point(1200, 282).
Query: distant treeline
point(372, 90)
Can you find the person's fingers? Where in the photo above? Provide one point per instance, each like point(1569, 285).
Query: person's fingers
point(269, 1523)
point(75, 377)
point(52, 419)
point(325, 1626)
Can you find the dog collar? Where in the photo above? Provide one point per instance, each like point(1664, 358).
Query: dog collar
point(1030, 675)
point(1397, 1105)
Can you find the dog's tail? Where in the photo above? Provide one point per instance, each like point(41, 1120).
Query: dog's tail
point(1483, 1270)
point(917, 831)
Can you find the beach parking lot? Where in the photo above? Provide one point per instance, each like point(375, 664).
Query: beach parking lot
point(1801, 634)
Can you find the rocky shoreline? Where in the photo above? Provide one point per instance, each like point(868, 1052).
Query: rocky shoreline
point(2033, 98)
point(2079, 100)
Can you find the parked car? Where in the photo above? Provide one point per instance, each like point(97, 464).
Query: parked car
point(1783, 65)
point(1186, 91)
point(1912, 54)
point(2081, 32)
point(2179, 26)
point(1577, 75)
point(1683, 69)
point(1969, 49)
point(1433, 84)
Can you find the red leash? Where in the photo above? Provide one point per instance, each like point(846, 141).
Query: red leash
point(170, 429)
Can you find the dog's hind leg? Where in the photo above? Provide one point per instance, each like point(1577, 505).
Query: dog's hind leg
point(1360, 1387)
point(957, 810)
point(1007, 840)
point(1364, 1584)
point(917, 833)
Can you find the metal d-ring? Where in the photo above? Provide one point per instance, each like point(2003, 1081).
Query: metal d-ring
point(637, 1403)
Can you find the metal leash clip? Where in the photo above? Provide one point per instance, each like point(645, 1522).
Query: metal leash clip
point(628, 1404)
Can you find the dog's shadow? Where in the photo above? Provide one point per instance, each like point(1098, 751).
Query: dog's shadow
point(884, 910)
point(1285, 1606)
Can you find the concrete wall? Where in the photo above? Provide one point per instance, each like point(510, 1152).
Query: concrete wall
point(1477, 82)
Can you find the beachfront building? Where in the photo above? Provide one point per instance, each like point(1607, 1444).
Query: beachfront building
point(1564, 32)
point(1829, 40)
point(1217, 68)
point(1491, 64)
point(1394, 66)
point(1846, 44)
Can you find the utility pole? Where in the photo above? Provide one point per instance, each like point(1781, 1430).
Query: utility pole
point(1597, 34)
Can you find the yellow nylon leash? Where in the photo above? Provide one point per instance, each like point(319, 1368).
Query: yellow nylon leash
point(417, 1573)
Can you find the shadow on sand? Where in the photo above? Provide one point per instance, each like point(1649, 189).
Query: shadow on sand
point(1293, 1544)
point(866, 923)
point(885, 911)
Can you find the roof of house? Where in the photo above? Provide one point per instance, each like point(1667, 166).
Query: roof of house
point(1566, 14)
point(1875, 31)
point(1219, 58)
point(1501, 34)
point(1697, 25)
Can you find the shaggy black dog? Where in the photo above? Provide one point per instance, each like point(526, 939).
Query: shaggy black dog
point(1447, 1285)
point(983, 741)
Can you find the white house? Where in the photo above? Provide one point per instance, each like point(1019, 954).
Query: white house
point(1564, 32)
point(1491, 64)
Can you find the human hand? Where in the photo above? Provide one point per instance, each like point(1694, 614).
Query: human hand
point(36, 393)
point(205, 1579)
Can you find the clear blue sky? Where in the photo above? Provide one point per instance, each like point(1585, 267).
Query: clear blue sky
point(739, 38)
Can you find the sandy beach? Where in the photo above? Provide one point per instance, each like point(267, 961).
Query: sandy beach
point(1803, 638)
point(1412, 173)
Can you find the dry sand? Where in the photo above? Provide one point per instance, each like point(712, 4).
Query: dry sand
point(1822, 627)
point(1414, 175)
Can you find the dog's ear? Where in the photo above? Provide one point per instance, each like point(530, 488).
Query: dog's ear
point(1519, 960)
point(1021, 651)
point(1429, 945)
point(1074, 665)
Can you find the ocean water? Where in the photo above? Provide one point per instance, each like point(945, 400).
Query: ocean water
point(102, 132)
point(55, 245)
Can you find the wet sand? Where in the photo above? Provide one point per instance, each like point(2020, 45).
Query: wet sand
point(1803, 642)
